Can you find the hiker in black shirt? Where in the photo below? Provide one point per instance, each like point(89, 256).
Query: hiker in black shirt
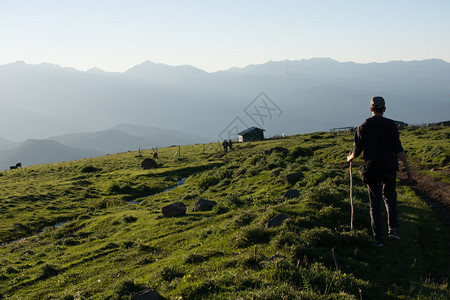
point(225, 146)
point(378, 138)
point(230, 145)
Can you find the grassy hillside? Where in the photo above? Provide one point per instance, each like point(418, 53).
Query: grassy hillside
point(86, 240)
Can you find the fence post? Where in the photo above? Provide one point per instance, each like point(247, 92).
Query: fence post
point(178, 152)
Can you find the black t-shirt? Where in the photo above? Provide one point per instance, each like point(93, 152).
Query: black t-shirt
point(379, 139)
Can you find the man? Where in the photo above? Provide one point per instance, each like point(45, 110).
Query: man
point(225, 146)
point(378, 138)
point(230, 144)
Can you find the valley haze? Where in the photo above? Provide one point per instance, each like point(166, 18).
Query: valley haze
point(185, 105)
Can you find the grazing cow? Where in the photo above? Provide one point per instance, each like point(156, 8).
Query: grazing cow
point(17, 166)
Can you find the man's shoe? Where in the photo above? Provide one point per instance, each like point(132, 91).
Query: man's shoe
point(393, 235)
point(379, 244)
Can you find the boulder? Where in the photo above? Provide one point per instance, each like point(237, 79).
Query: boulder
point(149, 163)
point(174, 210)
point(291, 194)
point(293, 178)
point(276, 221)
point(204, 205)
point(147, 295)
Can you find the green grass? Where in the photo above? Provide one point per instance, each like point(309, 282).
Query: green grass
point(110, 249)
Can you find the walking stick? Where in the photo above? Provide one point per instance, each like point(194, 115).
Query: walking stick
point(351, 197)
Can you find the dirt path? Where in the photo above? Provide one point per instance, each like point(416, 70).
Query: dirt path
point(435, 192)
point(437, 195)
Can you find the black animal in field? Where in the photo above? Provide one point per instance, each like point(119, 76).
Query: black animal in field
point(17, 166)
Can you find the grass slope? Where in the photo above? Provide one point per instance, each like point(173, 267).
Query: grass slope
point(109, 248)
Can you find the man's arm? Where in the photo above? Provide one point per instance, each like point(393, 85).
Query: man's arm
point(357, 145)
point(402, 156)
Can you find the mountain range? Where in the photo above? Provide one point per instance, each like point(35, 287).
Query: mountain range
point(121, 138)
point(34, 152)
point(74, 107)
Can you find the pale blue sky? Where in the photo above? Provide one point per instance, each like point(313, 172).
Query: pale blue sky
point(115, 35)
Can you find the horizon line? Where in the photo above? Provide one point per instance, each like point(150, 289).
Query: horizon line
point(95, 68)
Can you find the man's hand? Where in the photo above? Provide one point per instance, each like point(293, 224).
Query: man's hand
point(350, 157)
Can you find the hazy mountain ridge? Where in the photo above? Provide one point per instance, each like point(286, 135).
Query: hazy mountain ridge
point(204, 103)
point(35, 152)
point(160, 73)
point(5, 144)
point(126, 137)
point(121, 138)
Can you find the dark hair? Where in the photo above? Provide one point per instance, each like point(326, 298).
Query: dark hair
point(378, 109)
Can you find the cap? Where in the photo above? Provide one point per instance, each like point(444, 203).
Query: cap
point(377, 102)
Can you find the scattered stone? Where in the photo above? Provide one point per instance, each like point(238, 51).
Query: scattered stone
point(276, 221)
point(243, 171)
point(292, 194)
point(275, 173)
point(149, 163)
point(293, 178)
point(147, 295)
point(204, 205)
point(89, 169)
point(174, 210)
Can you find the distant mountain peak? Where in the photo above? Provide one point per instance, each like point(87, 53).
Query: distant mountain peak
point(151, 64)
point(96, 70)
point(159, 72)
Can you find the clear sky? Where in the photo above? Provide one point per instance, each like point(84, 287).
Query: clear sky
point(115, 35)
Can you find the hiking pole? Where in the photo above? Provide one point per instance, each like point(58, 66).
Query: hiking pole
point(351, 195)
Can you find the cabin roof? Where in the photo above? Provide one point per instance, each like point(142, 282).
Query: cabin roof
point(250, 130)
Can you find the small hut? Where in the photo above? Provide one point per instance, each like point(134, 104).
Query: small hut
point(251, 134)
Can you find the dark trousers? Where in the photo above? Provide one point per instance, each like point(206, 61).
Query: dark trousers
point(379, 191)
